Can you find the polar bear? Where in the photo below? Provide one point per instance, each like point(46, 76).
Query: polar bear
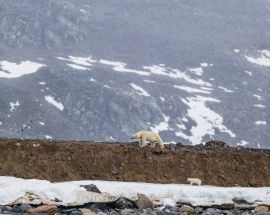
point(194, 181)
point(150, 136)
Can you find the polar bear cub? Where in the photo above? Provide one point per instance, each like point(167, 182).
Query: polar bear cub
point(150, 136)
point(194, 181)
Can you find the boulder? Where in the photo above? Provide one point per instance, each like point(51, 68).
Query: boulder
point(129, 212)
point(143, 202)
point(212, 211)
point(85, 211)
point(91, 188)
point(47, 209)
point(261, 209)
point(123, 203)
point(188, 209)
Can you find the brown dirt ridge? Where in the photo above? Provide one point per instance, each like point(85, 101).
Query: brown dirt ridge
point(215, 163)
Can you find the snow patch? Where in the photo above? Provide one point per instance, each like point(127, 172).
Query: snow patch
point(236, 50)
point(48, 137)
point(196, 71)
point(243, 143)
point(52, 101)
point(75, 66)
point(162, 126)
point(139, 90)
point(204, 64)
point(225, 89)
point(259, 105)
point(162, 99)
point(42, 83)
point(121, 67)
point(14, 70)
point(149, 81)
point(248, 72)
point(41, 123)
point(207, 121)
point(14, 105)
point(257, 96)
point(263, 59)
point(260, 122)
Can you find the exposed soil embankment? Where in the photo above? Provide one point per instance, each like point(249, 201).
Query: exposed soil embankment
point(67, 160)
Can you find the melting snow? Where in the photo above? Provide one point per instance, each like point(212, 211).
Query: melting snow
point(139, 90)
point(262, 60)
point(260, 122)
point(13, 70)
point(14, 105)
point(52, 101)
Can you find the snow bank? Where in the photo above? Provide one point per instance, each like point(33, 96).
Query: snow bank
point(262, 60)
point(71, 193)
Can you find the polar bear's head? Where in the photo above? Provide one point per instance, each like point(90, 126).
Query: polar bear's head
point(136, 135)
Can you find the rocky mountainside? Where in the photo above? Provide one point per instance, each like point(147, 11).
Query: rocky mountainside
point(102, 70)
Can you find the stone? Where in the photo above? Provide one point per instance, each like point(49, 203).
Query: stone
point(123, 203)
point(143, 202)
point(76, 213)
point(261, 209)
point(216, 144)
point(48, 209)
point(85, 211)
point(171, 209)
point(212, 211)
point(129, 212)
point(149, 211)
point(198, 210)
point(252, 183)
point(188, 209)
point(91, 188)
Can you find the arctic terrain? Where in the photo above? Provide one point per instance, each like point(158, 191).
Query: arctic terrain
point(102, 70)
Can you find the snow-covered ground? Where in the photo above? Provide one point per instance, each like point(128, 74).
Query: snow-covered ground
point(70, 193)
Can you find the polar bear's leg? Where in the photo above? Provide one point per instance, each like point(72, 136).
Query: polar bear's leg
point(143, 141)
point(153, 144)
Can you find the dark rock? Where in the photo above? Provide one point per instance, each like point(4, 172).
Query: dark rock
point(198, 210)
point(212, 211)
point(149, 212)
point(252, 183)
point(188, 209)
point(216, 144)
point(18, 209)
point(172, 208)
point(124, 203)
point(76, 212)
point(112, 213)
point(129, 212)
point(91, 188)
point(72, 211)
point(143, 202)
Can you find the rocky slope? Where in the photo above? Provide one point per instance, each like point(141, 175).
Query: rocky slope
point(99, 70)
